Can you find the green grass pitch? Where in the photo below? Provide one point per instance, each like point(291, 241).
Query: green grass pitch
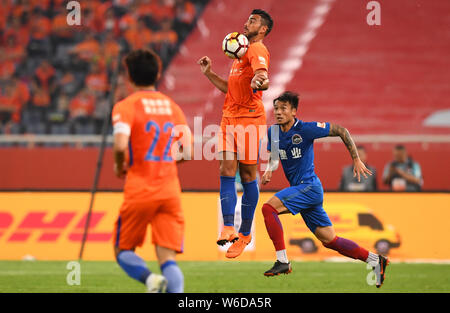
point(228, 277)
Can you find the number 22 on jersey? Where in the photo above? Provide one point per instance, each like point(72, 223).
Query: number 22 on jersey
point(158, 107)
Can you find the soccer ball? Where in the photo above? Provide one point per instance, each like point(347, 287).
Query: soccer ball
point(235, 45)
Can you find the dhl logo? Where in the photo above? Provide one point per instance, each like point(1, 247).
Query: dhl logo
point(51, 229)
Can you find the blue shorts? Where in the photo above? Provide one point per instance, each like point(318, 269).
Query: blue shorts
point(306, 199)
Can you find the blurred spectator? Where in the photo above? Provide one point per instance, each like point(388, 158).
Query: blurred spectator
point(403, 174)
point(110, 50)
point(82, 106)
point(88, 49)
point(20, 28)
point(13, 51)
point(162, 9)
point(44, 77)
point(155, 10)
point(61, 110)
point(166, 40)
point(109, 22)
point(9, 104)
point(68, 84)
point(97, 80)
point(61, 30)
point(350, 183)
point(54, 59)
point(184, 16)
point(7, 67)
point(139, 37)
point(44, 5)
point(14, 95)
point(40, 101)
point(40, 26)
point(166, 35)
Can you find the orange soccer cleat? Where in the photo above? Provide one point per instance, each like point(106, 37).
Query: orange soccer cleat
point(228, 234)
point(237, 247)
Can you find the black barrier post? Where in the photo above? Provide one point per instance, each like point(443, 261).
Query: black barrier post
point(105, 127)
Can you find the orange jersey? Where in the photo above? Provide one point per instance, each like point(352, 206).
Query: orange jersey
point(149, 117)
point(241, 100)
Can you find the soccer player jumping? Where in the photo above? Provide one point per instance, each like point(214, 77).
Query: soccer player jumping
point(146, 126)
point(243, 108)
point(291, 141)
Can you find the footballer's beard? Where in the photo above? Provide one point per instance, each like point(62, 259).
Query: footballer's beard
point(251, 35)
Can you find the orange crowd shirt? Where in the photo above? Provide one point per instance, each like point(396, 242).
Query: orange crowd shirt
point(149, 118)
point(241, 100)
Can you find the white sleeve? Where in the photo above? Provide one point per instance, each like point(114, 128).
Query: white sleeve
point(122, 128)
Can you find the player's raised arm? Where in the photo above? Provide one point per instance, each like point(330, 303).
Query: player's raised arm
point(216, 80)
point(358, 166)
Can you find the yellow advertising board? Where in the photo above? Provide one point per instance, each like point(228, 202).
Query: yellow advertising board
point(49, 226)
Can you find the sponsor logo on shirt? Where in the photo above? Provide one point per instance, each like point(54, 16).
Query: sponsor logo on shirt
point(157, 106)
point(296, 153)
point(262, 61)
point(116, 117)
point(283, 155)
point(321, 125)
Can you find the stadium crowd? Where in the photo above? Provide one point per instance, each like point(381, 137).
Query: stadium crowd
point(55, 77)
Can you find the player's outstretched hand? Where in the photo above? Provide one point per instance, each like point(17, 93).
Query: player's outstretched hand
point(359, 168)
point(205, 64)
point(266, 177)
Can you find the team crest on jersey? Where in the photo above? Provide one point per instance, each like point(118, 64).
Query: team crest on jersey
point(296, 139)
point(321, 125)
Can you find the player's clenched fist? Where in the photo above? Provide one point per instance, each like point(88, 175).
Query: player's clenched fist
point(120, 171)
point(259, 80)
point(266, 177)
point(205, 64)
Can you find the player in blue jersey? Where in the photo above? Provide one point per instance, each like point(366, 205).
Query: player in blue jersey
point(291, 142)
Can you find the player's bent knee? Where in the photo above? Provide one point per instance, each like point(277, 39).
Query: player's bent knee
point(325, 242)
point(165, 254)
point(117, 251)
point(247, 177)
point(227, 169)
point(267, 209)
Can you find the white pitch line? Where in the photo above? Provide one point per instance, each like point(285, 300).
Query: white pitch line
point(294, 60)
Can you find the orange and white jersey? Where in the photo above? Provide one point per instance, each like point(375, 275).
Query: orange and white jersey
point(154, 123)
point(241, 100)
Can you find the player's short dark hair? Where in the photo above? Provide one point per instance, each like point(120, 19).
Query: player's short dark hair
point(143, 67)
point(266, 19)
point(400, 147)
point(290, 97)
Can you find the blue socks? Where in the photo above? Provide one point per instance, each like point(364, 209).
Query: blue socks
point(174, 276)
point(133, 265)
point(249, 202)
point(136, 268)
point(228, 199)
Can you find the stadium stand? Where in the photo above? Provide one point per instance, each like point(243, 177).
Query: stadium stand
point(387, 84)
point(364, 77)
point(55, 78)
